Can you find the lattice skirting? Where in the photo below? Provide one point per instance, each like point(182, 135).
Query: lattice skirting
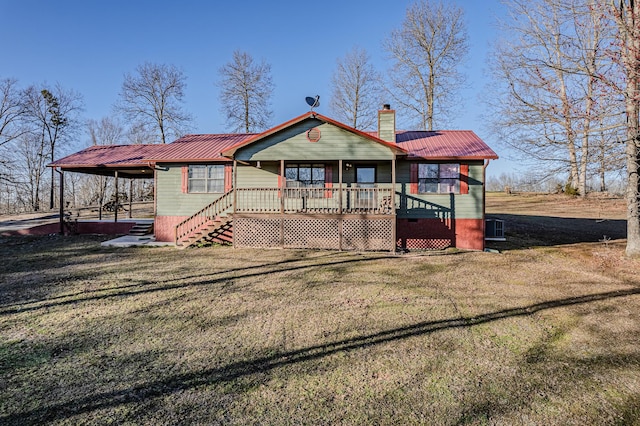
point(337, 233)
point(428, 243)
point(362, 234)
point(249, 232)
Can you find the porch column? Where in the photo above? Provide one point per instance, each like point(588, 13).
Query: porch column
point(282, 184)
point(115, 215)
point(340, 187)
point(393, 203)
point(340, 220)
point(235, 185)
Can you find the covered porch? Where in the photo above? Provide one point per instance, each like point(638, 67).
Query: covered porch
point(346, 205)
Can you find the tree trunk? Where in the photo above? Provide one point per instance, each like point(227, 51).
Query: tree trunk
point(627, 18)
point(603, 170)
point(431, 98)
point(633, 183)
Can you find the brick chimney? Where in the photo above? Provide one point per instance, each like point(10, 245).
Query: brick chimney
point(387, 123)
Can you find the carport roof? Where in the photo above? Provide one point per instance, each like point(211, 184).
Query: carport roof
point(128, 160)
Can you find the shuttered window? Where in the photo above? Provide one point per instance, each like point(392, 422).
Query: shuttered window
point(439, 178)
point(206, 178)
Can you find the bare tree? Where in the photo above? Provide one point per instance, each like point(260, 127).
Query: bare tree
point(551, 101)
point(53, 114)
point(31, 152)
point(427, 52)
point(152, 98)
point(107, 131)
point(138, 134)
point(355, 99)
point(246, 90)
point(11, 110)
point(626, 15)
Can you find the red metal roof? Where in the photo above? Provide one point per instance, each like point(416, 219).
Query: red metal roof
point(431, 145)
point(187, 148)
point(200, 147)
point(444, 145)
point(109, 155)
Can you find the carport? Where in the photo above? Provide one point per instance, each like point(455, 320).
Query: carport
point(117, 161)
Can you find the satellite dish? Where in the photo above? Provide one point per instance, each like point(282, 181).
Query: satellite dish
point(313, 102)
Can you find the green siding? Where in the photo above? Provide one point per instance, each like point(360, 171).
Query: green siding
point(253, 177)
point(171, 201)
point(383, 173)
point(334, 144)
point(456, 206)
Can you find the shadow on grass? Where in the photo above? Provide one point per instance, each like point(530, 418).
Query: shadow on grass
point(143, 287)
point(243, 369)
point(525, 231)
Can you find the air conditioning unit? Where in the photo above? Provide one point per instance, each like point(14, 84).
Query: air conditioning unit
point(494, 230)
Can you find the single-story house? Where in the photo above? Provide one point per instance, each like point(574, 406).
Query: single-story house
point(311, 182)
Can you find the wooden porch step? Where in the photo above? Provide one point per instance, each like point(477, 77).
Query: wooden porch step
point(219, 231)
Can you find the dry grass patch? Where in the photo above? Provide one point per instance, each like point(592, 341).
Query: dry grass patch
point(93, 335)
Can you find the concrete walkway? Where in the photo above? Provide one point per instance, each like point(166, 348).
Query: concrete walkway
point(135, 241)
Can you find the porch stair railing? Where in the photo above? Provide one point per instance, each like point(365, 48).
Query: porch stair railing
point(212, 222)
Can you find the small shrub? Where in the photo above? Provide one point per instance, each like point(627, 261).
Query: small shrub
point(571, 191)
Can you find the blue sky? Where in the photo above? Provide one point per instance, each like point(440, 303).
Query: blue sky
point(89, 45)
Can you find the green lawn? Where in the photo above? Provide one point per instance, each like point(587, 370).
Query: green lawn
point(92, 335)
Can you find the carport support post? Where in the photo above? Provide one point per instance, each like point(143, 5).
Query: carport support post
point(115, 215)
point(130, 196)
point(61, 174)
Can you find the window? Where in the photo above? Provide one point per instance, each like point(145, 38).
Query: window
point(307, 176)
point(439, 178)
point(206, 178)
point(366, 176)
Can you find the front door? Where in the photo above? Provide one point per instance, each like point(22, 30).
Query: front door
point(366, 182)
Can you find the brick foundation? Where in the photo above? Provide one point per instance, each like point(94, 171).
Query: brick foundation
point(436, 234)
point(164, 227)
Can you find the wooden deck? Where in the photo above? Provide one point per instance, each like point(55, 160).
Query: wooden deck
point(325, 218)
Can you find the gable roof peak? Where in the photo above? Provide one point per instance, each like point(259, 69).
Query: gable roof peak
point(230, 152)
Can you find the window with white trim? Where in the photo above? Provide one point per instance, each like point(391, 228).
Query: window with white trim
point(206, 178)
point(439, 178)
